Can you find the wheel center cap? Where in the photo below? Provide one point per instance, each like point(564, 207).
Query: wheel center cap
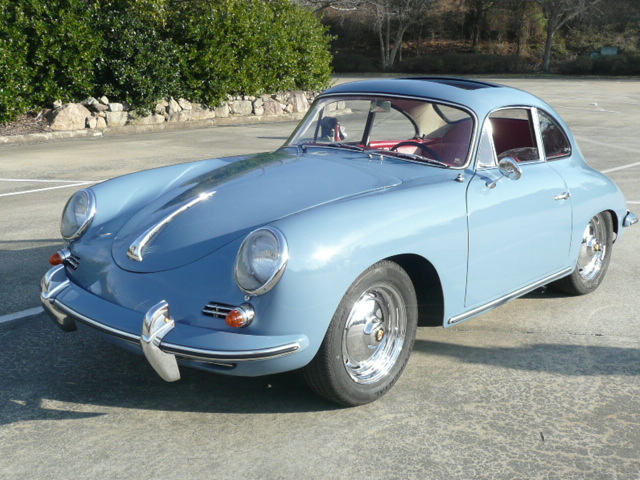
point(379, 335)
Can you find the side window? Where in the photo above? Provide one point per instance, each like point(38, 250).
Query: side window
point(556, 144)
point(486, 156)
point(514, 135)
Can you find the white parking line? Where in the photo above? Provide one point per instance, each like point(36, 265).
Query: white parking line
point(623, 167)
point(31, 180)
point(19, 315)
point(48, 188)
point(582, 139)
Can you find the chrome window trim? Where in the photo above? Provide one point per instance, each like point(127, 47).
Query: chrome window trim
point(533, 118)
point(538, 134)
point(474, 132)
point(487, 120)
point(541, 140)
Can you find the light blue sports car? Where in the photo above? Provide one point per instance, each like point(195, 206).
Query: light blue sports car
point(393, 202)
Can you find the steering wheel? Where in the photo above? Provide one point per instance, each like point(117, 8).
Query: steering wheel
point(411, 143)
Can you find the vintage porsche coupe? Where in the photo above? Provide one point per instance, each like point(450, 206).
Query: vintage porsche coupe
point(393, 201)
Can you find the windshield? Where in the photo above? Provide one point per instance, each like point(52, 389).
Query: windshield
point(407, 128)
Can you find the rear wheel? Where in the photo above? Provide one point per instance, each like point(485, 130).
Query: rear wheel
point(369, 340)
point(593, 258)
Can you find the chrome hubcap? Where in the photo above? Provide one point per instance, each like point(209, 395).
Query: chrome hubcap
point(592, 251)
point(374, 334)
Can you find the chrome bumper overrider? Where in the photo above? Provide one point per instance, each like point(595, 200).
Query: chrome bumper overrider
point(155, 325)
point(629, 219)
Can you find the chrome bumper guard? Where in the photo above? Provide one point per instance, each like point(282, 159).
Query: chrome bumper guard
point(629, 219)
point(157, 323)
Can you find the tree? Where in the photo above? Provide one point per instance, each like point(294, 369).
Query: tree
point(392, 18)
point(321, 5)
point(477, 15)
point(557, 13)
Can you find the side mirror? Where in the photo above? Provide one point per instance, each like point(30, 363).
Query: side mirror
point(508, 168)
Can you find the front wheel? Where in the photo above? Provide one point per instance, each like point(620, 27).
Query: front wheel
point(369, 340)
point(593, 258)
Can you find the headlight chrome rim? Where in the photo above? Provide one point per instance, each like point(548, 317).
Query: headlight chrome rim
point(88, 216)
point(278, 270)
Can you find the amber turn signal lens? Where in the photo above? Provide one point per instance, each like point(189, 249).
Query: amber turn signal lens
point(240, 316)
point(56, 259)
point(235, 319)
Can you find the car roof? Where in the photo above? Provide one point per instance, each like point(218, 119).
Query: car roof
point(482, 97)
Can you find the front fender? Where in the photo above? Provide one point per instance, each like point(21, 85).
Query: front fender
point(331, 246)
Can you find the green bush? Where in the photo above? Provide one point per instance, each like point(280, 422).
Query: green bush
point(460, 63)
point(15, 74)
point(46, 53)
point(144, 50)
point(139, 62)
point(250, 47)
point(354, 63)
point(602, 65)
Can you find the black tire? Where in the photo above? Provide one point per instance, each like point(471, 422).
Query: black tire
point(593, 258)
point(369, 340)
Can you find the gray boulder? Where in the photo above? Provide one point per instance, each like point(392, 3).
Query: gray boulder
point(70, 116)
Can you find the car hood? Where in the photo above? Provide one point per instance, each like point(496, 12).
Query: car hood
point(209, 211)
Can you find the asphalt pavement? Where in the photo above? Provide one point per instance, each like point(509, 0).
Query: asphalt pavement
point(546, 387)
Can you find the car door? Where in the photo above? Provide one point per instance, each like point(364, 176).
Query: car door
point(519, 230)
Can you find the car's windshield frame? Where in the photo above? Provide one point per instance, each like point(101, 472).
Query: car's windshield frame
point(312, 120)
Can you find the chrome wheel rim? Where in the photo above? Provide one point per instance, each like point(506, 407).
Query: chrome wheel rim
point(374, 334)
point(593, 250)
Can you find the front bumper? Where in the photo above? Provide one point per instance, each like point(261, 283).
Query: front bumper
point(162, 340)
point(629, 219)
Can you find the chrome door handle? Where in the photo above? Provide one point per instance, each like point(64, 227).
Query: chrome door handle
point(563, 196)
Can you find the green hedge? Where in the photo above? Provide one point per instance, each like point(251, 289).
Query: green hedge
point(142, 50)
point(602, 65)
point(462, 63)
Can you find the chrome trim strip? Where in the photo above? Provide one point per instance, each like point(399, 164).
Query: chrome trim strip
point(73, 261)
point(507, 298)
point(217, 310)
point(231, 355)
point(97, 325)
point(135, 251)
point(205, 356)
point(471, 154)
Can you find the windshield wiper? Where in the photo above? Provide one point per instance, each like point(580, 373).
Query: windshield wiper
point(347, 146)
point(411, 156)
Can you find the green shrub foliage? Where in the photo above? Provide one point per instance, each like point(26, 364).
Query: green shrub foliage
point(142, 50)
point(250, 47)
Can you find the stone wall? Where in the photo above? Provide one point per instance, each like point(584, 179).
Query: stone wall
point(102, 113)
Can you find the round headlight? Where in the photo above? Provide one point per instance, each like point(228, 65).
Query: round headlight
point(77, 214)
point(261, 260)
